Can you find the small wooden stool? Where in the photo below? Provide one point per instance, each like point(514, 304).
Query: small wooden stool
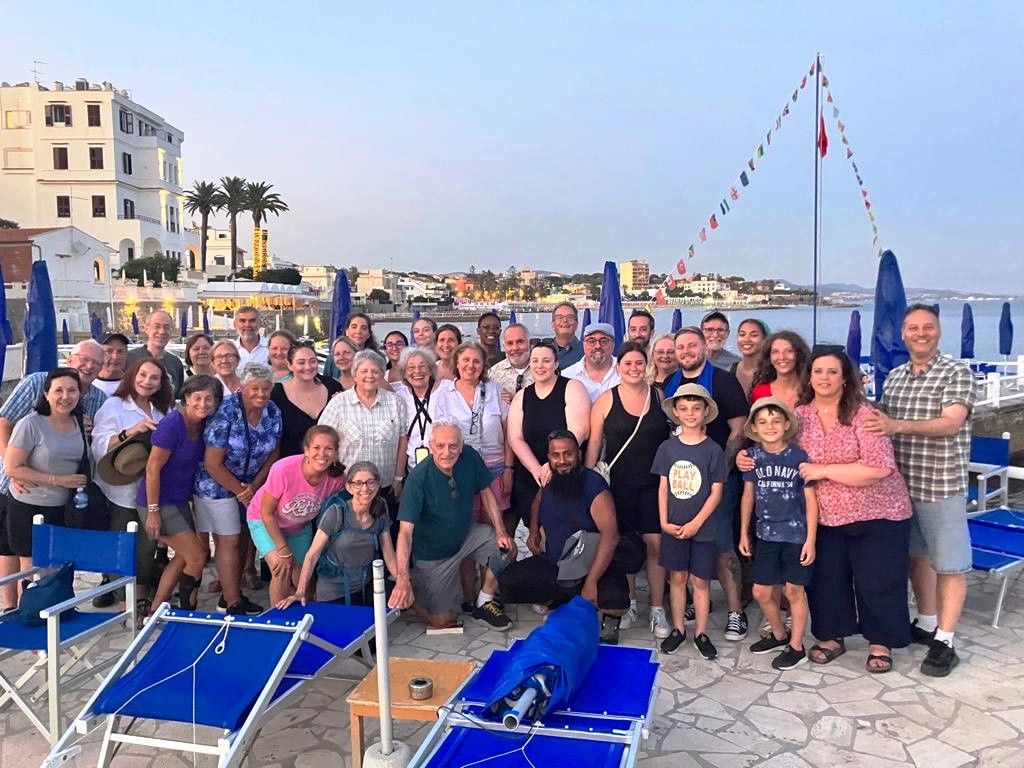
point(364, 700)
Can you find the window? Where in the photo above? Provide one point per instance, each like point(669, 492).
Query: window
point(60, 158)
point(127, 121)
point(96, 158)
point(94, 114)
point(129, 209)
point(58, 113)
point(219, 261)
point(170, 137)
point(130, 252)
point(172, 219)
point(63, 206)
point(17, 118)
point(126, 163)
point(99, 206)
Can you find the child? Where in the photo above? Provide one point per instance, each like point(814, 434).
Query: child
point(787, 522)
point(693, 470)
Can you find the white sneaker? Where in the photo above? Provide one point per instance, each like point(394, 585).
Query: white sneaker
point(659, 623)
point(629, 620)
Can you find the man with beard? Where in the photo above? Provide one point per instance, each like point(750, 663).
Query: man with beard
point(158, 329)
point(715, 327)
point(596, 371)
point(576, 503)
point(640, 327)
point(513, 373)
point(252, 348)
point(488, 329)
point(727, 431)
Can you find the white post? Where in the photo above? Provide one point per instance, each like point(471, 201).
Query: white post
point(992, 388)
point(1020, 370)
point(380, 626)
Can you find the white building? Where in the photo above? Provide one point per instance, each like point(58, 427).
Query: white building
point(704, 287)
point(90, 157)
point(320, 277)
point(410, 288)
point(218, 253)
point(377, 278)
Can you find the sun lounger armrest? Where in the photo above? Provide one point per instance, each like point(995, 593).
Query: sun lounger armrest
point(993, 473)
point(85, 597)
point(19, 575)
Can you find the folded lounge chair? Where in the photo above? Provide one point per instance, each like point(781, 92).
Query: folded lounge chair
point(997, 547)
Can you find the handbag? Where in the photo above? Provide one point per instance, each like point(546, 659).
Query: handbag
point(604, 468)
point(95, 516)
point(39, 595)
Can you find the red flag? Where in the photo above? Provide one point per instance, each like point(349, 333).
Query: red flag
point(659, 297)
point(811, 73)
point(803, 82)
point(681, 267)
point(703, 235)
point(671, 283)
point(822, 136)
point(713, 222)
point(864, 192)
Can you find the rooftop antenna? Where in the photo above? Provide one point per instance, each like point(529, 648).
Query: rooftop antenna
point(35, 69)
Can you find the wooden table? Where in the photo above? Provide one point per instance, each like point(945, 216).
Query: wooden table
point(364, 700)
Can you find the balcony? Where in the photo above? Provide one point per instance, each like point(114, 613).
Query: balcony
point(140, 217)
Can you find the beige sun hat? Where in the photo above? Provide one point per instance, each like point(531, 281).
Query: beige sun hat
point(692, 390)
point(764, 402)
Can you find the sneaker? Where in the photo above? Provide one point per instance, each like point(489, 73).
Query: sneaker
point(940, 659)
point(789, 658)
point(106, 599)
point(468, 607)
point(690, 614)
point(736, 626)
point(629, 619)
point(659, 623)
point(244, 607)
point(705, 647)
point(609, 629)
point(768, 644)
point(671, 643)
point(918, 635)
point(491, 614)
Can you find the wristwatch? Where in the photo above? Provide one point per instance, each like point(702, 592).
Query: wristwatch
point(122, 435)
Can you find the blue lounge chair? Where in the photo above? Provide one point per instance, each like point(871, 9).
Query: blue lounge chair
point(990, 459)
point(997, 546)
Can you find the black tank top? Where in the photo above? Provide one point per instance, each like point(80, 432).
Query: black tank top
point(633, 467)
point(541, 416)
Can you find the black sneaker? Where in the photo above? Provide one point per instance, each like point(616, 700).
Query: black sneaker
point(940, 659)
point(671, 643)
point(610, 629)
point(705, 647)
point(244, 607)
point(491, 614)
point(106, 599)
point(736, 626)
point(789, 658)
point(918, 635)
point(690, 614)
point(768, 644)
point(468, 607)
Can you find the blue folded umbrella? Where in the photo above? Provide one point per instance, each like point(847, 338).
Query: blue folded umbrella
point(967, 333)
point(610, 307)
point(887, 348)
point(40, 321)
point(1005, 331)
point(853, 339)
point(65, 334)
point(6, 332)
point(677, 319)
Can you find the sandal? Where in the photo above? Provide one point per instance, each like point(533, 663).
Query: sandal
point(142, 608)
point(886, 660)
point(827, 654)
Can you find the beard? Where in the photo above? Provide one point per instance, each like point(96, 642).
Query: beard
point(567, 486)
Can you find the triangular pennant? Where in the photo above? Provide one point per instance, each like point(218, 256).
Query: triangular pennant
point(830, 101)
point(750, 163)
point(874, 241)
point(871, 215)
point(713, 221)
point(824, 80)
point(859, 179)
point(864, 192)
point(743, 179)
point(811, 73)
point(721, 207)
point(795, 93)
point(844, 140)
point(760, 151)
point(849, 153)
point(778, 123)
point(692, 251)
point(803, 82)
point(768, 138)
point(867, 204)
point(854, 167)
point(726, 204)
point(703, 235)
point(734, 193)
point(842, 126)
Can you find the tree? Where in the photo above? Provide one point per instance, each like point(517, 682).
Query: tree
point(158, 268)
point(234, 191)
point(260, 201)
point(285, 276)
point(205, 198)
point(353, 277)
point(8, 224)
point(380, 296)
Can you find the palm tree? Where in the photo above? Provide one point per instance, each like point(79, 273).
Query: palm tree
point(260, 201)
point(205, 198)
point(233, 190)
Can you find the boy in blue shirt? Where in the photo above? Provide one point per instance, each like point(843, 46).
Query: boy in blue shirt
point(787, 521)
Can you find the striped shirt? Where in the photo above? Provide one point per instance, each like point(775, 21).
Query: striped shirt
point(368, 433)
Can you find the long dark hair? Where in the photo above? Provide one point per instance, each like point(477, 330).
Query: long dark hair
point(162, 399)
point(853, 393)
point(337, 469)
point(371, 340)
point(766, 373)
point(43, 405)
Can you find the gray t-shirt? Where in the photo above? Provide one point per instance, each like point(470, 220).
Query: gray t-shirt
point(691, 471)
point(350, 552)
point(49, 451)
point(725, 360)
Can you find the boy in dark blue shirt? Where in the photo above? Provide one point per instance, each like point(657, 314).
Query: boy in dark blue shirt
point(787, 520)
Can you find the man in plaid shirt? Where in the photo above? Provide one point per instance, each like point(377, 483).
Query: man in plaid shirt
point(927, 406)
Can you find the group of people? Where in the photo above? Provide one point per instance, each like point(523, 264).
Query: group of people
point(767, 470)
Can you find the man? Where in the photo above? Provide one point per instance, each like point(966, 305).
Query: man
point(488, 330)
point(158, 329)
point(715, 326)
point(251, 346)
point(927, 405)
point(564, 323)
point(596, 371)
point(436, 527)
point(575, 499)
point(115, 345)
point(641, 327)
point(727, 431)
point(513, 373)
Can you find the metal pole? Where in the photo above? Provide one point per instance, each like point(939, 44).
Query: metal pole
point(817, 171)
point(380, 628)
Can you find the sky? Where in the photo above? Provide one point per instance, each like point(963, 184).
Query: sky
point(435, 136)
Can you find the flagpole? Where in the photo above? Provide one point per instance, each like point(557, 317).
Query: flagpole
point(817, 172)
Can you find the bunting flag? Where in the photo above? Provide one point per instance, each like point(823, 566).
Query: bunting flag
point(811, 72)
point(734, 193)
point(703, 235)
point(681, 267)
point(844, 140)
point(842, 126)
point(849, 153)
point(822, 136)
point(803, 83)
point(824, 80)
point(750, 163)
point(693, 250)
point(760, 151)
point(768, 138)
point(778, 123)
point(743, 179)
point(713, 222)
point(795, 94)
point(670, 282)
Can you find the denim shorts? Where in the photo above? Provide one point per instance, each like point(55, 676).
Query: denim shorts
point(938, 531)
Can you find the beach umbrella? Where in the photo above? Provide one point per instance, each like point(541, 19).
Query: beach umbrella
point(1005, 331)
point(967, 333)
point(341, 308)
point(184, 324)
point(887, 348)
point(677, 319)
point(206, 321)
point(586, 321)
point(936, 307)
point(415, 315)
point(40, 321)
point(853, 340)
point(610, 307)
point(6, 332)
point(135, 324)
point(96, 326)
point(65, 334)
point(512, 317)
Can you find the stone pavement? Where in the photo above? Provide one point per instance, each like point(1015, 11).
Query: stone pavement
point(731, 713)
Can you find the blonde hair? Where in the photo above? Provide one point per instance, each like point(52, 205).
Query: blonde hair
point(652, 370)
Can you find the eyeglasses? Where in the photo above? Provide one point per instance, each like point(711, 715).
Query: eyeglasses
point(224, 358)
point(519, 381)
point(474, 422)
point(394, 345)
point(604, 341)
point(369, 485)
point(453, 488)
point(564, 318)
point(716, 331)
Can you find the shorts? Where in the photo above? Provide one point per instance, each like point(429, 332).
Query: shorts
point(298, 542)
point(436, 582)
point(504, 499)
point(938, 531)
point(219, 516)
point(5, 544)
point(697, 557)
point(778, 562)
point(19, 524)
point(636, 508)
point(174, 518)
point(726, 516)
point(535, 580)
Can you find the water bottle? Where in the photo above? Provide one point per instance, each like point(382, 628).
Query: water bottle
point(81, 499)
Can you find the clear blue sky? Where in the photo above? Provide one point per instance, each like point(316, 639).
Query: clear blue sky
point(435, 135)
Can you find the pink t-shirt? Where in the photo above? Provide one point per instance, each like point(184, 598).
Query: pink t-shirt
point(298, 502)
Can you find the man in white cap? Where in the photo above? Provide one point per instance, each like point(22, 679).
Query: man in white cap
point(596, 371)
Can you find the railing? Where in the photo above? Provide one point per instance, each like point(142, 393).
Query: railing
point(140, 217)
point(1000, 383)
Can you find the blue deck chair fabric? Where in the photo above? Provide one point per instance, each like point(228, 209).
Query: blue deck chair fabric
point(470, 746)
point(340, 625)
point(91, 551)
point(16, 636)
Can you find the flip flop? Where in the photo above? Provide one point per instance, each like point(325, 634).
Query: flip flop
point(829, 654)
point(885, 658)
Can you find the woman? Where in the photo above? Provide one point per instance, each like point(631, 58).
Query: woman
point(448, 339)
point(198, 356)
point(278, 345)
point(342, 352)
point(163, 499)
point(372, 423)
point(783, 363)
point(551, 402)
point(349, 534)
point(282, 511)
point(663, 361)
point(394, 343)
point(301, 398)
point(136, 407)
point(750, 338)
point(417, 366)
point(242, 442)
point(43, 458)
point(629, 420)
point(225, 358)
point(359, 328)
point(424, 332)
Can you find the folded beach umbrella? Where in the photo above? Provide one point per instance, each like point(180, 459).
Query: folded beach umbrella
point(40, 321)
point(96, 326)
point(610, 307)
point(1005, 331)
point(65, 334)
point(341, 308)
point(206, 321)
point(6, 332)
point(135, 324)
point(887, 348)
point(586, 321)
point(677, 319)
point(853, 338)
point(184, 324)
point(967, 333)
